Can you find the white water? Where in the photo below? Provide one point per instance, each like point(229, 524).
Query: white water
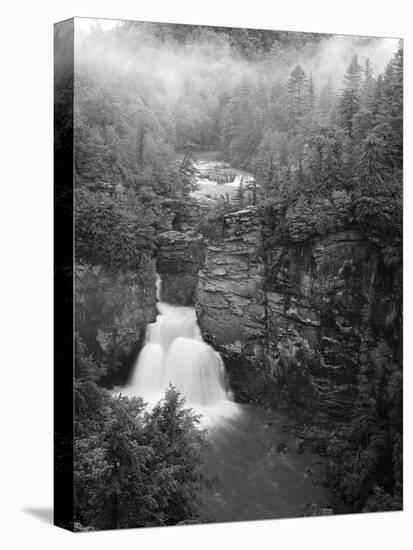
point(204, 169)
point(176, 354)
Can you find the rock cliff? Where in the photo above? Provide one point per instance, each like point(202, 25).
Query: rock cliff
point(231, 300)
point(183, 214)
point(308, 327)
point(178, 260)
point(112, 310)
point(330, 317)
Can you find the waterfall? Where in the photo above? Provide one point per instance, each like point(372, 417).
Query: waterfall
point(236, 182)
point(175, 353)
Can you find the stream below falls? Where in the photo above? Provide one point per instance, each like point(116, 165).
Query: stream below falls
point(252, 480)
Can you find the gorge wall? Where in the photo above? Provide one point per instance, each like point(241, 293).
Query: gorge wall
point(178, 260)
point(112, 310)
point(180, 251)
point(231, 301)
point(306, 327)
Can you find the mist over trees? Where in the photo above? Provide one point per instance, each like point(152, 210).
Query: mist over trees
point(145, 90)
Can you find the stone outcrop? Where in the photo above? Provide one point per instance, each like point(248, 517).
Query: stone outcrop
point(183, 214)
point(112, 310)
point(307, 327)
point(231, 300)
point(178, 260)
point(330, 312)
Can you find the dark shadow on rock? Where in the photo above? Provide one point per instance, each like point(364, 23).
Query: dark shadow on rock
point(45, 514)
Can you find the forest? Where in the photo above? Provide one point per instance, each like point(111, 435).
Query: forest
point(318, 122)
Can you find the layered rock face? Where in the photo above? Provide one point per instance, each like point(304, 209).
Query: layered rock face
point(112, 310)
point(231, 300)
point(180, 252)
point(330, 315)
point(178, 260)
point(308, 327)
point(183, 215)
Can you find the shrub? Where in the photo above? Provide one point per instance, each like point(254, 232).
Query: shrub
point(137, 468)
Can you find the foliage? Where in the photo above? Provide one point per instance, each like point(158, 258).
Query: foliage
point(350, 100)
point(241, 126)
point(347, 173)
point(212, 225)
point(122, 135)
point(366, 473)
point(133, 467)
point(116, 230)
point(88, 396)
point(305, 218)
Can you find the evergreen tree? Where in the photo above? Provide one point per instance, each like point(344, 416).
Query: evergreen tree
point(372, 169)
point(350, 99)
point(296, 87)
point(240, 196)
point(311, 95)
point(368, 87)
point(390, 109)
point(310, 118)
point(242, 127)
point(327, 103)
point(136, 469)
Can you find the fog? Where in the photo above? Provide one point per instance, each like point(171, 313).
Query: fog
point(207, 60)
point(169, 68)
point(335, 54)
point(190, 73)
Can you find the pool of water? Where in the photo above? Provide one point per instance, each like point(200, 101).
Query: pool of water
point(252, 479)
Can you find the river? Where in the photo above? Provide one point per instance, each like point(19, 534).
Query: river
point(216, 177)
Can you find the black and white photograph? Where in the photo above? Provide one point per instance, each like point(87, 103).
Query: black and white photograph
point(205, 275)
point(237, 210)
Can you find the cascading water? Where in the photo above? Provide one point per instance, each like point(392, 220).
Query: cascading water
point(175, 353)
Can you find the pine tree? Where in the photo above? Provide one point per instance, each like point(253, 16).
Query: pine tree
point(368, 87)
point(242, 127)
point(296, 87)
point(398, 107)
point(136, 469)
point(373, 169)
point(327, 102)
point(311, 95)
point(309, 119)
point(278, 108)
point(350, 99)
point(240, 196)
point(389, 109)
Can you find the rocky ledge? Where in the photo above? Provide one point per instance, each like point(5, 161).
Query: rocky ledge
point(178, 260)
point(330, 314)
point(231, 300)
